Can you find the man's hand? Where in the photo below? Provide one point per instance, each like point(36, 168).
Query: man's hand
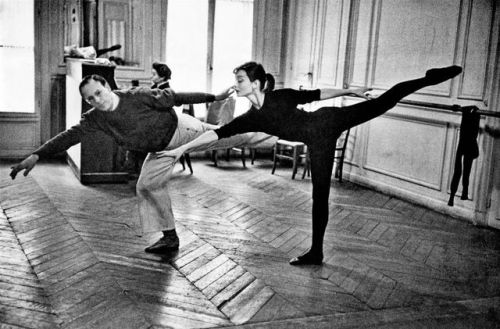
point(27, 164)
point(225, 94)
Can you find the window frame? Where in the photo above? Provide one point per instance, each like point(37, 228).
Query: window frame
point(37, 35)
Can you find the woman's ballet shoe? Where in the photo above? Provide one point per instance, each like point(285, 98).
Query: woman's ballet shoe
point(307, 259)
point(435, 76)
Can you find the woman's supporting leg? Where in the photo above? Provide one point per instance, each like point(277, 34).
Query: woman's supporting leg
point(321, 173)
point(350, 116)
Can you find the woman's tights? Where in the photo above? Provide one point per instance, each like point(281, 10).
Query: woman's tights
point(322, 154)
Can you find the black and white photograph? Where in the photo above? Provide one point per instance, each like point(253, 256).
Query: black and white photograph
point(250, 164)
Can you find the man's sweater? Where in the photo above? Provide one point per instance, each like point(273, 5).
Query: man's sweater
point(144, 120)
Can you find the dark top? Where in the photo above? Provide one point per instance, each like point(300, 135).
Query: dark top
point(161, 85)
point(278, 116)
point(144, 120)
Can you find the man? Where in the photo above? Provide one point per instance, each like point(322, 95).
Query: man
point(142, 119)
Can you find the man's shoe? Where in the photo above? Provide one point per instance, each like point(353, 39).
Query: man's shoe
point(166, 243)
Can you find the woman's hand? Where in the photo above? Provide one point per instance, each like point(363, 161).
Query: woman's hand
point(361, 92)
point(175, 153)
point(225, 94)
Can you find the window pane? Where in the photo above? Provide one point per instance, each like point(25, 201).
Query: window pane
point(17, 59)
point(187, 46)
point(232, 44)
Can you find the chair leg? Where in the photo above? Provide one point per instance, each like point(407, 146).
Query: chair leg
point(243, 157)
point(228, 152)
point(295, 160)
point(214, 157)
point(275, 158)
point(339, 168)
point(181, 160)
point(307, 167)
point(188, 162)
point(252, 155)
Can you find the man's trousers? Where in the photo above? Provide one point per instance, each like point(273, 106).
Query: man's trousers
point(155, 206)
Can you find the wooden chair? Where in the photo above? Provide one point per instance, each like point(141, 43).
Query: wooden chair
point(288, 150)
point(339, 156)
point(220, 113)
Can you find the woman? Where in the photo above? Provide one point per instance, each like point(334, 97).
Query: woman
point(160, 75)
point(276, 113)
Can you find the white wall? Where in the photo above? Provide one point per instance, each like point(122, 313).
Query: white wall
point(408, 152)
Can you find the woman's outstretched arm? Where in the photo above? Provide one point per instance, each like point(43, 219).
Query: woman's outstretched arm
point(327, 93)
point(204, 139)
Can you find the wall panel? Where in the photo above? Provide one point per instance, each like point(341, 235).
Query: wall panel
point(413, 36)
point(300, 56)
point(360, 43)
point(475, 62)
point(268, 46)
point(329, 45)
point(411, 150)
point(18, 136)
point(130, 24)
point(408, 149)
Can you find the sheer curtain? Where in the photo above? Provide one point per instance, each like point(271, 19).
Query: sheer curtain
point(232, 44)
point(187, 24)
point(17, 59)
point(188, 39)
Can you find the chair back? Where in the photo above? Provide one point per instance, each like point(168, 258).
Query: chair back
point(221, 112)
point(188, 109)
point(342, 143)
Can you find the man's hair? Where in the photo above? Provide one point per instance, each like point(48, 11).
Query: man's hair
point(95, 77)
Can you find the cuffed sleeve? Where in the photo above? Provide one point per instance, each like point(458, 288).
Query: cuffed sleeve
point(193, 98)
point(167, 98)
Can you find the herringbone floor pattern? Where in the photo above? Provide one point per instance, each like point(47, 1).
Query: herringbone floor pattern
point(72, 257)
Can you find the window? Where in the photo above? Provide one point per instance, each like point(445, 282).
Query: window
point(196, 68)
point(17, 59)
point(232, 44)
point(187, 25)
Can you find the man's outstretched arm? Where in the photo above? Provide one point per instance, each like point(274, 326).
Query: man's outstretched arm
point(59, 143)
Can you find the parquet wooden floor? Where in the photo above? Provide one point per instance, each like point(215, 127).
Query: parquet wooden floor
point(72, 257)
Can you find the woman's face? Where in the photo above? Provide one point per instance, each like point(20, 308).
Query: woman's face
point(155, 77)
point(243, 86)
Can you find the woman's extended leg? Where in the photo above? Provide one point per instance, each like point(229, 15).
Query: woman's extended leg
point(350, 116)
point(321, 173)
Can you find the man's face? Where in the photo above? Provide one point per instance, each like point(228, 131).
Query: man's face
point(97, 95)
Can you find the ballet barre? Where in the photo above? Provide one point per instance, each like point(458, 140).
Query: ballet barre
point(454, 108)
